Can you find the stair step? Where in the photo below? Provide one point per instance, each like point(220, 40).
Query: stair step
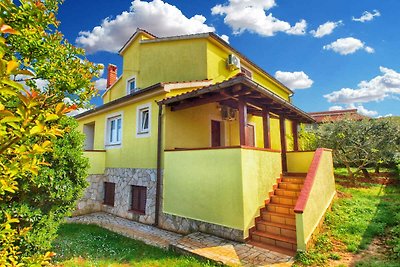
point(290, 186)
point(287, 200)
point(272, 248)
point(288, 219)
point(281, 208)
point(274, 240)
point(291, 174)
point(276, 228)
point(287, 192)
point(292, 179)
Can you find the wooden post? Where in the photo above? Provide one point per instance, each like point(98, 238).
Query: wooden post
point(295, 128)
point(266, 128)
point(242, 120)
point(282, 128)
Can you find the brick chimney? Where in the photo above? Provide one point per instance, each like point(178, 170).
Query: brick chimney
point(111, 75)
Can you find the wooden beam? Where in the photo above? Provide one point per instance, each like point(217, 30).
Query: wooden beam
point(282, 128)
point(295, 128)
point(199, 101)
point(242, 121)
point(266, 128)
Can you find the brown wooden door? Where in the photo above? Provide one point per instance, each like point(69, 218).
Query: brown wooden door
point(215, 133)
point(250, 140)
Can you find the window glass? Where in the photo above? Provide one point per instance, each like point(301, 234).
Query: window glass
point(144, 120)
point(114, 130)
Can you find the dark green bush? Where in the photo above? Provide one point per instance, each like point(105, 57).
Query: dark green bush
point(44, 200)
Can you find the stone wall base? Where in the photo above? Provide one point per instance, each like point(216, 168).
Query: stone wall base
point(185, 226)
point(92, 201)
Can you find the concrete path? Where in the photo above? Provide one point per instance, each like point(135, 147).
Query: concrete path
point(199, 244)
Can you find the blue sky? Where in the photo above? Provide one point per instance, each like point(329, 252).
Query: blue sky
point(334, 54)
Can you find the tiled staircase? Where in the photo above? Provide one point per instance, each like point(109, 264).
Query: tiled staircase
point(275, 228)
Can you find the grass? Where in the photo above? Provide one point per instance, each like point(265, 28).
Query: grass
point(360, 214)
point(90, 245)
point(342, 172)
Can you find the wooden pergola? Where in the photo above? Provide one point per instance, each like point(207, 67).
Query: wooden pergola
point(247, 97)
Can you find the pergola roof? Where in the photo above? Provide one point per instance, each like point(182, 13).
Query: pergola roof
point(230, 91)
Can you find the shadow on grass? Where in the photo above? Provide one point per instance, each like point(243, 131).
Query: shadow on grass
point(90, 245)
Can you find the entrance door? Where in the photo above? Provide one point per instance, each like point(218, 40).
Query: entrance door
point(250, 140)
point(215, 133)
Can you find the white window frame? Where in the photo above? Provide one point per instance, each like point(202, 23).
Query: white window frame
point(128, 89)
point(139, 110)
point(109, 118)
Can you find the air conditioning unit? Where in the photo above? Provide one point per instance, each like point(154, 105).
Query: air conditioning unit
point(228, 113)
point(233, 62)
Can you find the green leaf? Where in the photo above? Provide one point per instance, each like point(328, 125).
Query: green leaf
point(12, 84)
point(36, 129)
point(51, 117)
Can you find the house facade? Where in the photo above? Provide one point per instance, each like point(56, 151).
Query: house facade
point(193, 136)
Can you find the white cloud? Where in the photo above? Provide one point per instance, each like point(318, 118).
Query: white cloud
point(326, 28)
point(251, 15)
point(101, 84)
point(335, 108)
point(225, 38)
point(360, 109)
point(158, 17)
point(376, 89)
point(299, 28)
point(363, 111)
point(367, 16)
point(294, 80)
point(349, 45)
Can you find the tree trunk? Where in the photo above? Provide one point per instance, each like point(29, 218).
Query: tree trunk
point(366, 173)
point(350, 173)
point(377, 167)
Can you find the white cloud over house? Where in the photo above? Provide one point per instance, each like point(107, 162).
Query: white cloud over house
point(101, 84)
point(294, 80)
point(360, 109)
point(349, 45)
point(326, 28)
point(157, 17)
point(367, 16)
point(386, 85)
point(252, 16)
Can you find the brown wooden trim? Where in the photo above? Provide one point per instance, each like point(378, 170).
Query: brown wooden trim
point(137, 212)
point(94, 150)
point(266, 128)
point(282, 129)
point(300, 151)
point(242, 121)
point(260, 149)
point(295, 128)
point(223, 147)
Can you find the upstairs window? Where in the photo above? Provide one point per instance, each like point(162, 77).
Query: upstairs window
point(246, 72)
point(131, 85)
point(143, 120)
point(114, 130)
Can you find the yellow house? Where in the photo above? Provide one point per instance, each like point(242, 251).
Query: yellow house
point(193, 136)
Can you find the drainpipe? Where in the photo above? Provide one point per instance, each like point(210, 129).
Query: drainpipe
point(159, 151)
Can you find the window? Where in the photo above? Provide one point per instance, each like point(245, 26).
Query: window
point(88, 129)
point(131, 85)
point(138, 201)
point(246, 72)
point(114, 130)
point(143, 121)
point(109, 193)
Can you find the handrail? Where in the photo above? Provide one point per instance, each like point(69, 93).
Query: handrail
point(309, 181)
point(94, 150)
point(223, 147)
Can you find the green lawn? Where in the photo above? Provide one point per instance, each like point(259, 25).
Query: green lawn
point(90, 245)
point(360, 214)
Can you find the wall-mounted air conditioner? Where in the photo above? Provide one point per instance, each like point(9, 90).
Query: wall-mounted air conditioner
point(228, 113)
point(233, 62)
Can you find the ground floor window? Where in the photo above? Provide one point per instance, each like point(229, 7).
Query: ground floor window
point(139, 194)
point(109, 193)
